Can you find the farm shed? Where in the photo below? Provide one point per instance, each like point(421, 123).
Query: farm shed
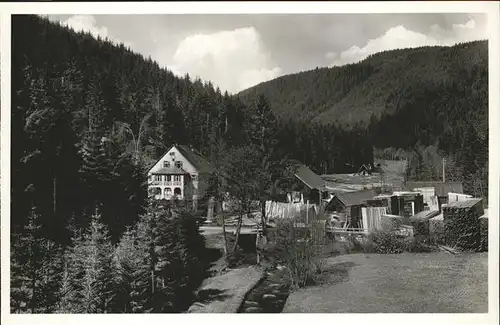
point(350, 204)
point(441, 189)
point(306, 186)
point(382, 200)
point(407, 204)
point(430, 198)
point(462, 223)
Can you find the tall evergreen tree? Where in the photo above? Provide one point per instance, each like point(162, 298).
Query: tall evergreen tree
point(89, 273)
point(35, 269)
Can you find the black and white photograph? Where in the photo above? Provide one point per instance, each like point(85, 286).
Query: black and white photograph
point(168, 162)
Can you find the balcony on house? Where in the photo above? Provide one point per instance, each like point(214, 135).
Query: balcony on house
point(168, 182)
point(162, 181)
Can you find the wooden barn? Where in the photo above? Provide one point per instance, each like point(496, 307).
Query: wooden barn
point(406, 204)
point(350, 204)
point(307, 186)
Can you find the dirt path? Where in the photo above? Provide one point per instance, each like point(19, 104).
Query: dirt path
point(225, 289)
point(225, 293)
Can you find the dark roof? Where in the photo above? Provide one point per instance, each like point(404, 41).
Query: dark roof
point(193, 156)
point(355, 198)
point(463, 204)
point(308, 177)
point(170, 171)
point(196, 159)
point(441, 189)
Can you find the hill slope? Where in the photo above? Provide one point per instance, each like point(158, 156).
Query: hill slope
point(351, 93)
point(411, 99)
point(70, 91)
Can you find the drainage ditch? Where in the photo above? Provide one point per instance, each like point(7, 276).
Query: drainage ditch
point(268, 296)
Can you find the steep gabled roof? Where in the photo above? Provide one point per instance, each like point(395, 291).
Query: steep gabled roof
point(355, 198)
point(196, 159)
point(308, 177)
point(193, 156)
point(440, 188)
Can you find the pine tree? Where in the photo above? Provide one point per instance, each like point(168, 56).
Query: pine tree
point(262, 131)
point(35, 268)
point(135, 259)
point(168, 266)
point(88, 281)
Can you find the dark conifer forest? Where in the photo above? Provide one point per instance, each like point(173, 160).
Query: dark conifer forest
point(428, 101)
point(89, 117)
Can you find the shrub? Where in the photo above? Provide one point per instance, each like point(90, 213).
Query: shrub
point(357, 244)
point(300, 251)
point(421, 244)
point(420, 226)
point(388, 242)
point(436, 230)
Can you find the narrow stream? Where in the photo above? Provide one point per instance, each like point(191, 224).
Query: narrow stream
point(268, 296)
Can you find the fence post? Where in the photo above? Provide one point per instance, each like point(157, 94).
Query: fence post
point(307, 212)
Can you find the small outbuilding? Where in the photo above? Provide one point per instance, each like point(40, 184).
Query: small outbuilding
point(307, 186)
point(350, 204)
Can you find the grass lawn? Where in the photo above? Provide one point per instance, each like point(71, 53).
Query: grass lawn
point(401, 283)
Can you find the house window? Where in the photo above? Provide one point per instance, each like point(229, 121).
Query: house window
point(169, 178)
point(177, 178)
point(158, 178)
point(168, 191)
point(178, 164)
point(166, 164)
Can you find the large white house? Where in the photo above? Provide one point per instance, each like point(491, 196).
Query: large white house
point(181, 172)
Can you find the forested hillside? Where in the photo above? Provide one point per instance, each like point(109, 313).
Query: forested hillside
point(75, 98)
point(353, 93)
point(88, 118)
point(410, 99)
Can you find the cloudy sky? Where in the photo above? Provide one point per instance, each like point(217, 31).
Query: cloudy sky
point(238, 51)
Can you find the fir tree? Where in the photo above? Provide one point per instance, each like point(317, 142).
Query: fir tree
point(35, 269)
point(88, 282)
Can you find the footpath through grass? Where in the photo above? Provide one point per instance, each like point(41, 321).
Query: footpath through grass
point(400, 283)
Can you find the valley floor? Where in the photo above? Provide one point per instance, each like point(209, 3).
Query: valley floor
point(402, 283)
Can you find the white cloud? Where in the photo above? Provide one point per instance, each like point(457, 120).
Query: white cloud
point(88, 23)
point(232, 60)
point(400, 37)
